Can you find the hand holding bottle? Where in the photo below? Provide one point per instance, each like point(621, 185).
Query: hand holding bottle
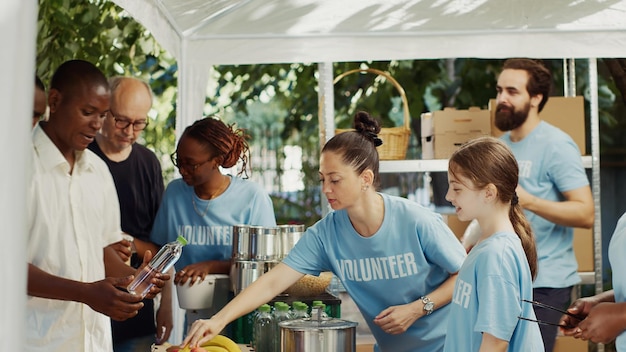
point(104, 296)
point(153, 271)
point(154, 284)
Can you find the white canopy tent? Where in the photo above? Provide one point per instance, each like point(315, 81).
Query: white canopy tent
point(201, 33)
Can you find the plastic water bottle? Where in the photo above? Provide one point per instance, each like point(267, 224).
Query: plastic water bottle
point(300, 310)
point(315, 303)
point(281, 313)
point(318, 310)
point(263, 330)
point(163, 261)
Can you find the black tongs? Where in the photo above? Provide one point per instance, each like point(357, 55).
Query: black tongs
point(543, 305)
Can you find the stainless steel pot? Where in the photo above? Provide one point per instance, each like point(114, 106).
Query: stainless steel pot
point(288, 235)
point(245, 272)
point(265, 246)
point(243, 242)
point(317, 335)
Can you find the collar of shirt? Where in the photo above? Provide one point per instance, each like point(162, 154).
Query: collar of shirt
point(51, 157)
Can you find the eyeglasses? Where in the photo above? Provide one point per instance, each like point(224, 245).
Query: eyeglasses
point(543, 305)
point(189, 168)
point(123, 124)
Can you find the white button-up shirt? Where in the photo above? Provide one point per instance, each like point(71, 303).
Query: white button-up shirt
point(72, 217)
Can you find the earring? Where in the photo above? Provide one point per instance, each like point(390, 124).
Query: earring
point(364, 188)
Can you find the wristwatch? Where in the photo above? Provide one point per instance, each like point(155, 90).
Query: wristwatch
point(429, 306)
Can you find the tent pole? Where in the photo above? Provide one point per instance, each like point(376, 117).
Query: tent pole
point(19, 18)
point(595, 176)
point(569, 77)
point(326, 108)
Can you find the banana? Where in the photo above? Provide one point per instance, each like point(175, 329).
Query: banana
point(224, 342)
point(215, 349)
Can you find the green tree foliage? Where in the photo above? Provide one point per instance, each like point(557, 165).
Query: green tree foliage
point(102, 33)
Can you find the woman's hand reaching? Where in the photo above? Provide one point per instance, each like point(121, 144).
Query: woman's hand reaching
point(201, 331)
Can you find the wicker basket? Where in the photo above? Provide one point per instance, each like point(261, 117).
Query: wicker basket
point(395, 139)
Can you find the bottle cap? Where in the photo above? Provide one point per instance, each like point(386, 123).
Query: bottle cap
point(264, 308)
point(181, 240)
point(283, 307)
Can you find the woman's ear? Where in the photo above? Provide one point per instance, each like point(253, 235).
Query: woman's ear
point(367, 178)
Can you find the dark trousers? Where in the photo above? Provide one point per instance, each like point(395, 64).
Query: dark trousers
point(555, 297)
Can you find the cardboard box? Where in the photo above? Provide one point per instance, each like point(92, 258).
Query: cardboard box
point(566, 113)
point(570, 344)
point(583, 249)
point(454, 127)
point(365, 348)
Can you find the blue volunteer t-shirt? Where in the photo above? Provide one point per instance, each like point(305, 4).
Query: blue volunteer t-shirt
point(550, 164)
point(488, 295)
point(617, 245)
point(412, 253)
point(209, 237)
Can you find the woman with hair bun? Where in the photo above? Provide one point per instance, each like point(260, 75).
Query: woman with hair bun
point(396, 259)
point(204, 204)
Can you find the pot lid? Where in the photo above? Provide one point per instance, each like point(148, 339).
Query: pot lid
point(324, 324)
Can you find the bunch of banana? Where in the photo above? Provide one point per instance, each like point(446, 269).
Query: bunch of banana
point(219, 343)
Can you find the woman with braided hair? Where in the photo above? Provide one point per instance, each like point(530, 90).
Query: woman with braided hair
point(204, 204)
point(492, 302)
point(396, 259)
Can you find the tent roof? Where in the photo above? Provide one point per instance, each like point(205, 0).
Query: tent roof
point(202, 33)
point(278, 31)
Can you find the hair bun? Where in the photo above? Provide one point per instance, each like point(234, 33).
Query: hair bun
point(368, 127)
point(374, 137)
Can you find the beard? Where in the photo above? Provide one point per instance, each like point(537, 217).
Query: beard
point(508, 119)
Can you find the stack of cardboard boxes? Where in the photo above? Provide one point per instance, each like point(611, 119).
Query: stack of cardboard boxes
point(444, 131)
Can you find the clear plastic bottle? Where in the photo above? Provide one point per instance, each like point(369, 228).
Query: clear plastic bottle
point(281, 313)
point(300, 310)
point(263, 330)
point(160, 263)
point(321, 307)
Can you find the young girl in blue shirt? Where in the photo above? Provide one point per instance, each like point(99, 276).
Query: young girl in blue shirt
point(497, 275)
